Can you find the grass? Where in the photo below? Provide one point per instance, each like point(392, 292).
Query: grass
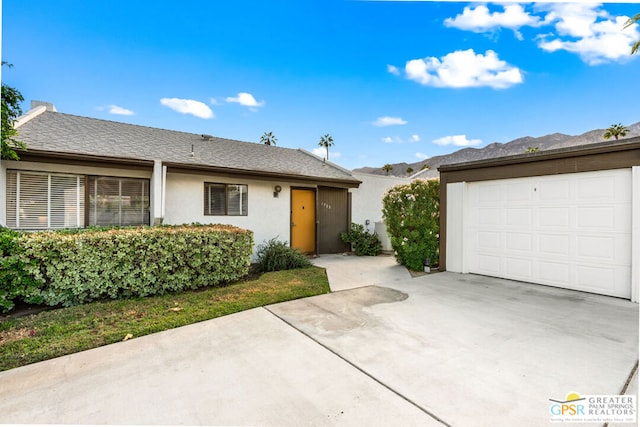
point(63, 331)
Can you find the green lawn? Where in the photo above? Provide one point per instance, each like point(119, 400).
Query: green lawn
point(63, 331)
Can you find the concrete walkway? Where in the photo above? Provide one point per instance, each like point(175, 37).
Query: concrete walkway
point(441, 349)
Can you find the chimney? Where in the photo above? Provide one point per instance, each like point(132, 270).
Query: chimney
point(48, 105)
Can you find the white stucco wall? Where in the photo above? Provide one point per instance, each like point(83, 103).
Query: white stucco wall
point(267, 217)
point(366, 203)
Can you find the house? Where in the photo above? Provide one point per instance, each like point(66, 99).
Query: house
point(81, 171)
point(568, 218)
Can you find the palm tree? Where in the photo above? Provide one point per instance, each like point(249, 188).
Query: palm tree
point(615, 131)
point(532, 150)
point(634, 19)
point(268, 138)
point(387, 168)
point(326, 141)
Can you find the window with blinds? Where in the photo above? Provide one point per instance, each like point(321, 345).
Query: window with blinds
point(40, 200)
point(225, 199)
point(118, 201)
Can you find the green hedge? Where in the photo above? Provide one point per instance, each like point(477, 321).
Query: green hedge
point(412, 215)
point(77, 267)
point(15, 281)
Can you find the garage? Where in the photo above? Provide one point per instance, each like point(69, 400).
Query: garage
point(568, 218)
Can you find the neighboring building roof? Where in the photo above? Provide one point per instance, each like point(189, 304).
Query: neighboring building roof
point(425, 174)
point(50, 133)
point(629, 147)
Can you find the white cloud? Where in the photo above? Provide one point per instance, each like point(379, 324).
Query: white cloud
point(246, 99)
point(457, 140)
point(322, 153)
point(392, 140)
point(398, 140)
point(188, 106)
point(480, 20)
point(389, 121)
point(393, 70)
point(115, 109)
point(582, 28)
point(464, 68)
point(590, 32)
point(421, 156)
point(521, 1)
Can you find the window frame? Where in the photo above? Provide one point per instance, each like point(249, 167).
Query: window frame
point(244, 199)
point(92, 210)
point(15, 197)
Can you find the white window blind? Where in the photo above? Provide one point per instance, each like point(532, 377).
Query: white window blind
point(225, 199)
point(39, 201)
point(118, 201)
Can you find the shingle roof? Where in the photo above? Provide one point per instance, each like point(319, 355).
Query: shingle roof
point(59, 133)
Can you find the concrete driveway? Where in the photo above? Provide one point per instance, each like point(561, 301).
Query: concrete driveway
point(441, 349)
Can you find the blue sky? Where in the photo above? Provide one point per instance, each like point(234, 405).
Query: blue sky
point(390, 81)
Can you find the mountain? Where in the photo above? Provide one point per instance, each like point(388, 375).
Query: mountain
point(498, 149)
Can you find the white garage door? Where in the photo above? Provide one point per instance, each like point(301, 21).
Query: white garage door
point(571, 231)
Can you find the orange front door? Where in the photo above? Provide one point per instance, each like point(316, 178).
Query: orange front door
point(303, 220)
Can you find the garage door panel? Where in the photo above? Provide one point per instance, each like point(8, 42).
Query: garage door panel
point(599, 217)
point(489, 194)
point(604, 280)
point(519, 242)
point(554, 190)
point(519, 268)
point(601, 188)
point(488, 217)
point(604, 249)
point(571, 230)
point(554, 273)
point(554, 217)
point(488, 264)
point(489, 240)
point(601, 248)
point(553, 245)
point(518, 192)
point(519, 217)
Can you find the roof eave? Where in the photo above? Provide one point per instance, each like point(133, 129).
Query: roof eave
point(49, 156)
point(194, 168)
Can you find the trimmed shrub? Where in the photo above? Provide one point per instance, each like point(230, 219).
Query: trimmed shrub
point(15, 281)
point(78, 267)
point(412, 215)
point(274, 255)
point(362, 241)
